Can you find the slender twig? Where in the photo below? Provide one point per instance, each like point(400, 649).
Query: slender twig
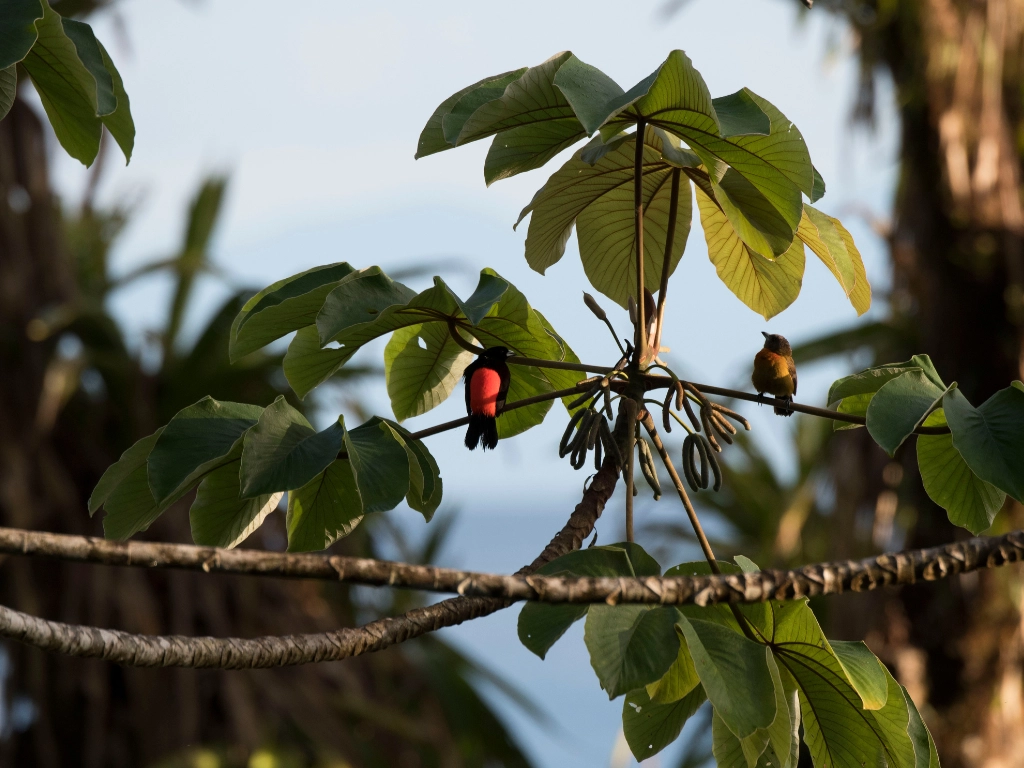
point(691, 513)
point(458, 338)
point(638, 205)
point(666, 265)
point(630, 408)
point(559, 365)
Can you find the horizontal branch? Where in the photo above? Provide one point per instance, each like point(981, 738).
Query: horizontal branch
point(906, 567)
point(826, 413)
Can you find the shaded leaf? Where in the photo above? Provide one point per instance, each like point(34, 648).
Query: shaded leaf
point(541, 625)
point(900, 406)
point(306, 365)
point(680, 679)
point(220, 517)
point(283, 307)
point(649, 726)
point(969, 501)
point(197, 440)
point(735, 674)
point(18, 30)
point(324, 510)
point(990, 438)
point(425, 485)
point(381, 464)
point(630, 645)
point(8, 89)
point(282, 452)
point(119, 122)
point(133, 458)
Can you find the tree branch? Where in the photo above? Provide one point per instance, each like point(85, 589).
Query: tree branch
point(908, 567)
point(236, 653)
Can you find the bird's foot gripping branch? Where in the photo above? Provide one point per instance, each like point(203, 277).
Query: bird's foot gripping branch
point(767, 670)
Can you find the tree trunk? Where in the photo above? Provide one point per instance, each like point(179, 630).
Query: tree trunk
point(957, 247)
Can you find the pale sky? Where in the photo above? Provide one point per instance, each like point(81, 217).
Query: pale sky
point(315, 116)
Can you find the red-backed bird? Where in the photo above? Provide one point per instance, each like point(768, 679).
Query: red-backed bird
point(775, 371)
point(487, 380)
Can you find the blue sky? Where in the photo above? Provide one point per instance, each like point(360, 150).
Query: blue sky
point(314, 115)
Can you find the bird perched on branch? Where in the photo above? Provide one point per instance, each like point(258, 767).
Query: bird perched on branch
point(487, 379)
point(775, 371)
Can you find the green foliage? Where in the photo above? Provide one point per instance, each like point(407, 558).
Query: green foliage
point(968, 472)
point(243, 459)
point(749, 162)
point(78, 84)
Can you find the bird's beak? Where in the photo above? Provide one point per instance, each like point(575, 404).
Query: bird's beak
point(765, 334)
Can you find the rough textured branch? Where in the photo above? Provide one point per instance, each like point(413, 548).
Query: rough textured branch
point(237, 653)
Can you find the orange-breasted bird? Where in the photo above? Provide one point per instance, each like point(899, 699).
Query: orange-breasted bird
point(775, 371)
point(487, 379)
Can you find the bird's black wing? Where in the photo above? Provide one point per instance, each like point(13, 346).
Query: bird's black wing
point(505, 377)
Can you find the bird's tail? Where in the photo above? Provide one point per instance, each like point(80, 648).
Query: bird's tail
point(483, 428)
point(783, 410)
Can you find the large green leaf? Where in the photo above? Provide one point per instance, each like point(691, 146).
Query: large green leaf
point(371, 476)
point(8, 89)
point(119, 122)
point(66, 88)
point(766, 286)
point(924, 745)
point(735, 674)
point(838, 730)
point(306, 365)
point(425, 485)
point(283, 307)
point(830, 241)
point(380, 462)
point(358, 300)
point(900, 406)
point(864, 671)
point(873, 379)
point(325, 509)
point(432, 138)
point(197, 440)
point(990, 438)
point(18, 30)
point(282, 452)
point(88, 50)
point(650, 726)
point(756, 221)
point(540, 624)
point(679, 680)
point(969, 501)
point(422, 365)
point(220, 517)
point(132, 459)
point(123, 491)
point(630, 645)
point(774, 747)
point(676, 99)
point(597, 197)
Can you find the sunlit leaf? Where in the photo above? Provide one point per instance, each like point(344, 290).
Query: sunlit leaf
point(767, 287)
point(422, 365)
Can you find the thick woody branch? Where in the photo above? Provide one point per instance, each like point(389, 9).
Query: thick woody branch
point(237, 653)
point(908, 567)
